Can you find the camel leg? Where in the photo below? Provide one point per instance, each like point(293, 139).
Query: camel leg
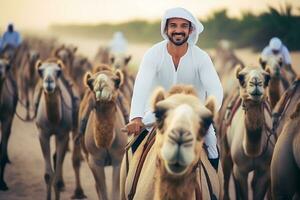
point(48, 176)
point(5, 130)
point(116, 182)
point(261, 184)
point(61, 148)
point(227, 169)
point(241, 183)
point(99, 175)
point(76, 161)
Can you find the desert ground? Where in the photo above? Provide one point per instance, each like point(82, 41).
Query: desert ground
point(24, 175)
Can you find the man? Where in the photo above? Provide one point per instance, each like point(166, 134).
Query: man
point(118, 44)
point(175, 60)
point(10, 37)
point(274, 48)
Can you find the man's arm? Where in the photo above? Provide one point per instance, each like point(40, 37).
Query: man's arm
point(141, 91)
point(210, 80)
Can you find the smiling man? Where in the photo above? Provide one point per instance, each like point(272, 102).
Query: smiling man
point(176, 60)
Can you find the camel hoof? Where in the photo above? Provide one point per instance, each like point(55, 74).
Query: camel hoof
point(3, 186)
point(78, 194)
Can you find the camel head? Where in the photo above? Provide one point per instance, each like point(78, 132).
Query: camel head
point(104, 84)
point(4, 68)
point(253, 82)
point(119, 61)
point(182, 122)
point(66, 54)
point(273, 64)
point(50, 72)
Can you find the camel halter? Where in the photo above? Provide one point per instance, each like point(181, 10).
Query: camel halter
point(264, 106)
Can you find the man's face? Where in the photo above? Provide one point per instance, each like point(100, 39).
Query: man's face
point(275, 51)
point(178, 30)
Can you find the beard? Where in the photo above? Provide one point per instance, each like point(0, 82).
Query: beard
point(178, 42)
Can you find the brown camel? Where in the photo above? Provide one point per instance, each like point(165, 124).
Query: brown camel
point(248, 143)
point(103, 140)
point(285, 165)
point(285, 106)
point(275, 88)
point(8, 103)
point(120, 61)
point(175, 165)
point(29, 79)
point(54, 117)
point(66, 54)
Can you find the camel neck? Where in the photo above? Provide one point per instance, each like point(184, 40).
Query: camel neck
point(52, 101)
point(254, 123)
point(105, 117)
point(174, 188)
point(274, 91)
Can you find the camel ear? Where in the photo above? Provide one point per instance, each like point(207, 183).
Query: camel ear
point(159, 108)
point(267, 77)
point(37, 66)
point(240, 76)
point(158, 95)
point(262, 63)
point(210, 104)
point(111, 60)
point(120, 78)
point(88, 81)
point(60, 64)
point(127, 59)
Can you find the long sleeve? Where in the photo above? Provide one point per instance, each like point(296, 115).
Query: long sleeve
point(143, 85)
point(210, 80)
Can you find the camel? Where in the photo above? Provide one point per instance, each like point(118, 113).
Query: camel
point(248, 143)
point(66, 55)
point(285, 165)
point(285, 106)
point(104, 142)
point(175, 165)
point(8, 104)
point(225, 61)
point(120, 61)
point(275, 89)
point(102, 56)
point(54, 117)
point(29, 79)
point(80, 66)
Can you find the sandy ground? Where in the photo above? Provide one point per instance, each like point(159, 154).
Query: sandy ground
point(25, 175)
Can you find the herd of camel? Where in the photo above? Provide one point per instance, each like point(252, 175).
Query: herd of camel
point(257, 126)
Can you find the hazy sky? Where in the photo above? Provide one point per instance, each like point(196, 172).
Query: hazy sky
point(42, 13)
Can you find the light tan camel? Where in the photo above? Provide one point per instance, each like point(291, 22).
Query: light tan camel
point(275, 88)
point(172, 168)
point(285, 165)
point(8, 103)
point(285, 106)
point(248, 144)
point(103, 140)
point(120, 61)
point(28, 79)
point(54, 117)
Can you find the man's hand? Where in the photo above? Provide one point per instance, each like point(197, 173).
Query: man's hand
point(134, 127)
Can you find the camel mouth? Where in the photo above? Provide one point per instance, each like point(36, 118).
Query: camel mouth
point(176, 168)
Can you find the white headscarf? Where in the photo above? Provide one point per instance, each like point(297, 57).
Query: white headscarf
point(184, 14)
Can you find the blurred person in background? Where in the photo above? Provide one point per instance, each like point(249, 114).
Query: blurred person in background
point(11, 38)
